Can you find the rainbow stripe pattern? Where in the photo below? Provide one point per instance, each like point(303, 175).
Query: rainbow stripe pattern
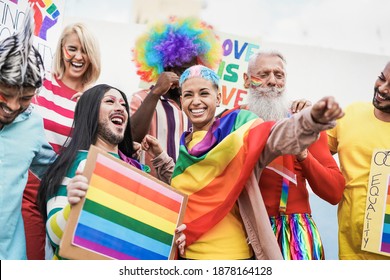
point(298, 237)
point(46, 15)
point(126, 215)
point(385, 243)
point(256, 82)
point(214, 172)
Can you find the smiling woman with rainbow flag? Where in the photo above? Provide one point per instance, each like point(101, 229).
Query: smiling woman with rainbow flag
point(220, 162)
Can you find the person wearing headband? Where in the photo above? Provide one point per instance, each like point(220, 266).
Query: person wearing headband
point(219, 164)
point(23, 144)
point(161, 55)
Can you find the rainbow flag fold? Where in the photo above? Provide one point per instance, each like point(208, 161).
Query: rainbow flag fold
point(214, 172)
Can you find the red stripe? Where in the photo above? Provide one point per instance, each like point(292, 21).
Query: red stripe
point(56, 147)
point(60, 90)
point(50, 105)
point(56, 127)
point(136, 187)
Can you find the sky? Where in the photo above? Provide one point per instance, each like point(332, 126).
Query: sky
point(352, 25)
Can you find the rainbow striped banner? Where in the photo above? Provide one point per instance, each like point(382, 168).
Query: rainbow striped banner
point(214, 171)
point(376, 226)
point(385, 242)
point(126, 214)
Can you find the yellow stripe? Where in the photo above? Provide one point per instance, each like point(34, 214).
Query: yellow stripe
point(219, 157)
point(387, 211)
point(128, 209)
point(133, 198)
point(56, 229)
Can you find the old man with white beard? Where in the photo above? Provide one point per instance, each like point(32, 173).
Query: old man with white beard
point(283, 182)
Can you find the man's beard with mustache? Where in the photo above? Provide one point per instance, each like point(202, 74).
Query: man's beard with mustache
point(385, 108)
point(270, 103)
point(111, 137)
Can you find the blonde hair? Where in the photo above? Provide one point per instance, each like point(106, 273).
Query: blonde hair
point(90, 46)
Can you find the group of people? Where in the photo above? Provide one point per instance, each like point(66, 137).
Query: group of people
point(244, 171)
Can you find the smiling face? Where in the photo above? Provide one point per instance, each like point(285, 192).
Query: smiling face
point(13, 102)
point(75, 59)
point(113, 118)
point(199, 101)
point(381, 98)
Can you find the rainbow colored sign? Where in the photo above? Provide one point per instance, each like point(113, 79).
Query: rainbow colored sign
point(46, 15)
point(385, 242)
point(376, 227)
point(126, 214)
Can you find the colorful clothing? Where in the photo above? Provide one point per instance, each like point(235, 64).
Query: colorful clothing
point(354, 150)
point(233, 152)
point(295, 229)
point(18, 153)
point(54, 104)
point(58, 208)
point(168, 124)
point(57, 109)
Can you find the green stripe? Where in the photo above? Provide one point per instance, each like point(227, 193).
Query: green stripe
point(387, 219)
point(185, 160)
point(127, 222)
point(51, 9)
point(243, 117)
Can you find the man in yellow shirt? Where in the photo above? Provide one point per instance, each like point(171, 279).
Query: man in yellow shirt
point(365, 127)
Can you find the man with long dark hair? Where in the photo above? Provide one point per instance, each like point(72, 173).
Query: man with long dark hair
point(101, 119)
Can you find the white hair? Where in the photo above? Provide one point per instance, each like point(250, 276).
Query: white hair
point(253, 58)
point(20, 63)
point(270, 103)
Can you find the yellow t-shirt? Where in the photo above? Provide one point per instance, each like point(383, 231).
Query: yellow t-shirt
point(354, 138)
point(227, 239)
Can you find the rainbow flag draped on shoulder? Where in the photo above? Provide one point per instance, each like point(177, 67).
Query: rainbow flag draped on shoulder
point(214, 172)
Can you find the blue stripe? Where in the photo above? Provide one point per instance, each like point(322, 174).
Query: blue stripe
point(386, 228)
point(386, 238)
point(116, 244)
point(123, 233)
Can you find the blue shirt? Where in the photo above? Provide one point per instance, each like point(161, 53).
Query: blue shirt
point(23, 145)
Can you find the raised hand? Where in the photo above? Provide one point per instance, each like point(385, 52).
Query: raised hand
point(326, 110)
point(151, 145)
point(166, 81)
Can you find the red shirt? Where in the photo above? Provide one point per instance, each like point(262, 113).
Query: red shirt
point(321, 172)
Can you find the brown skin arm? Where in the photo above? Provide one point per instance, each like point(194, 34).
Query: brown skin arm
point(142, 118)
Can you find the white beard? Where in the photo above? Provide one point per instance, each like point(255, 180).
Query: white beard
point(270, 104)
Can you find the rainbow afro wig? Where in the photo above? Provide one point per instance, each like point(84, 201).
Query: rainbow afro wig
point(173, 44)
